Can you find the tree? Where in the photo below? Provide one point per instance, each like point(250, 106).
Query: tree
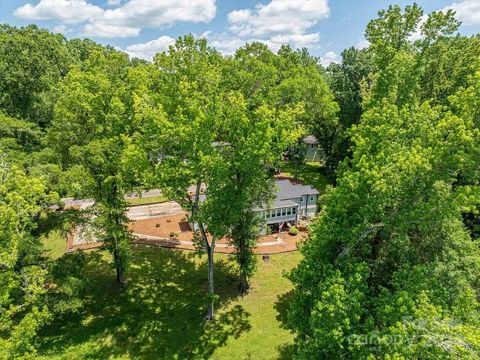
point(218, 145)
point(346, 80)
point(187, 79)
point(390, 270)
point(252, 140)
point(33, 290)
point(32, 62)
point(98, 116)
point(22, 278)
point(283, 80)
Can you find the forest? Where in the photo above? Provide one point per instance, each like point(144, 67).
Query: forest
point(391, 266)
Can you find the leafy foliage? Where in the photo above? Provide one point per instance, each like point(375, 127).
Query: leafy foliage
point(391, 271)
point(32, 291)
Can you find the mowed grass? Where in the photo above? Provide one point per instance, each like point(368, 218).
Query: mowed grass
point(55, 244)
point(310, 173)
point(159, 315)
point(146, 200)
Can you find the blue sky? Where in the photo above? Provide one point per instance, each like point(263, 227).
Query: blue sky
point(144, 27)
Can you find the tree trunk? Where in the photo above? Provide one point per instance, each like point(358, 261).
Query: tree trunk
point(244, 285)
point(119, 268)
point(211, 289)
point(209, 248)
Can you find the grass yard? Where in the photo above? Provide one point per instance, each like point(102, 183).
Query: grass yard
point(55, 243)
point(160, 313)
point(146, 200)
point(310, 173)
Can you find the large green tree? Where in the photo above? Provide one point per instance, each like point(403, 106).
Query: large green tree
point(33, 289)
point(218, 143)
point(252, 142)
point(390, 270)
point(346, 80)
point(103, 108)
point(187, 78)
point(32, 62)
point(288, 78)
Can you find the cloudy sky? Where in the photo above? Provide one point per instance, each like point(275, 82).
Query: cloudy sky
point(144, 27)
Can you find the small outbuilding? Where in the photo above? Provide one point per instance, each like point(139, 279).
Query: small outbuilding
point(313, 151)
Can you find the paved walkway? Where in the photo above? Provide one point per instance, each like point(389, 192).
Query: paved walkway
point(168, 208)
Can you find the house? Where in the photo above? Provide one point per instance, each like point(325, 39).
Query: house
point(313, 151)
point(292, 202)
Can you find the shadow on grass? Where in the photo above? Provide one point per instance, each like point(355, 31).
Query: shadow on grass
point(281, 306)
point(158, 315)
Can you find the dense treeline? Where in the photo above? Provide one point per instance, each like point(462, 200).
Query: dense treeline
point(82, 120)
point(392, 268)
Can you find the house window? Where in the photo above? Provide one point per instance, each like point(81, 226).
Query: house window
point(267, 214)
point(301, 199)
point(294, 211)
point(279, 212)
point(284, 212)
point(273, 213)
point(289, 211)
point(311, 198)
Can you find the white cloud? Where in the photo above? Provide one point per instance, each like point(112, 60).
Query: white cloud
point(467, 11)
point(417, 35)
point(138, 14)
point(62, 29)
point(148, 50)
point(99, 29)
point(129, 19)
point(278, 17)
point(224, 42)
point(297, 39)
point(328, 58)
point(276, 23)
point(66, 11)
point(126, 20)
point(361, 44)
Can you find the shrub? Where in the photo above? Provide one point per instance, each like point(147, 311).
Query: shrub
point(269, 230)
point(173, 234)
point(293, 231)
point(157, 225)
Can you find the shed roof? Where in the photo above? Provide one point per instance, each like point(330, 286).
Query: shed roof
point(310, 139)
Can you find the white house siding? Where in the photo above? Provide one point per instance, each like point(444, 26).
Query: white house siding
point(282, 215)
point(307, 205)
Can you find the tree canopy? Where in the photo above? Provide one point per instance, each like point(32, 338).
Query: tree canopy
point(391, 270)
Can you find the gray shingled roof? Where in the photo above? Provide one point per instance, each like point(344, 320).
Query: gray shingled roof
point(287, 190)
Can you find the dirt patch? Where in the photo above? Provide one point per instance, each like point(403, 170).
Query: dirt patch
point(157, 231)
point(174, 232)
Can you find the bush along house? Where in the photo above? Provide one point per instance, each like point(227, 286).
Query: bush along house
point(292, 202)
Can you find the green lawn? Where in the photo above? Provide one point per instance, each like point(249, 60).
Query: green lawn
point(147, 200)
point(55, 243)
point(160, 313)
point(310, 173)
